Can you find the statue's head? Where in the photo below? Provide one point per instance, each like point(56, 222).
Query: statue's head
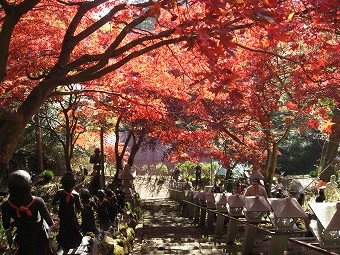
point(19, 183)
point(101, 194)
point(333, 178)
point(85, 194)
point(68, 181)
point(109, 193)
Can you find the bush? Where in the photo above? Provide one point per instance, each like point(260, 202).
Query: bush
point(161, 169)
point(187, 170)
point(48, 174)
point(313, 173)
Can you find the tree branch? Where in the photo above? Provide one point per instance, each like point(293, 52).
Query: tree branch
point(103, 59)
point(234, 137)
point(12, 17)
point(282, 57)
point(265, 52)
point(77, 92)
point(87, 75)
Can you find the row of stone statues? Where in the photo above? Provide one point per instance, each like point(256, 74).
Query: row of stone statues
point(32, 219)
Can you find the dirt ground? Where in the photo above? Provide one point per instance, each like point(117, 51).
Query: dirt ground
point(151, 187)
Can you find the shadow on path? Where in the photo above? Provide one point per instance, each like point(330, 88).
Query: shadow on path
point(164, 231)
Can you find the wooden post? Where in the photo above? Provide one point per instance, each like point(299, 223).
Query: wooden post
point(171, 192)
point(249, 239)
point(203, 215)
point(232, 229)
point(186, 210)
point(210, 219)
point(278, 244)
point(182, 196)
point(197, 214)
point(219, 225)
point(191, 211)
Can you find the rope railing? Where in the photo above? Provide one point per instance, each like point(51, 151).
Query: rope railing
point(213, 219)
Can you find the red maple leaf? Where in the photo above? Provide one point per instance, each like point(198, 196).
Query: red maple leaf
point(291, 106)
point(313, 124)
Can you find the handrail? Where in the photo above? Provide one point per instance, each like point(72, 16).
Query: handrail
point(310, 246)
point(270, 231)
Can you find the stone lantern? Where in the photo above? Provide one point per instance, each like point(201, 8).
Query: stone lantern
point(285, 213)
point(201, 198)
point(255, 208)
point(188, 186)
point(127, 180)
point(326, 228)
point(210, 200)
point(190, 195)
point(189, 208)
point(236, 204)
point(235, 208)
point(197, 197)
point(221, 201)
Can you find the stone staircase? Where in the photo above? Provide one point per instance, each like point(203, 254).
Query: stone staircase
point(164, 231)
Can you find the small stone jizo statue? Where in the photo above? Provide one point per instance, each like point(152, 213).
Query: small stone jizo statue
point(95, 159)
point(69, 235)
point(331, 190)
point(27, 213)
point(88, 223)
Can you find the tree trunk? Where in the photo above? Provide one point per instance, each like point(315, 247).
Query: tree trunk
point(330, 149)
point(39, 145)
point(119, 158)
point(135, 147)
point(268, 162)
point(11, 127)
point(272, 161)
point(13, 123)
point(4, 170)
point(272, 168)
point(68, 162)
point(133, 152)
point(102, 158)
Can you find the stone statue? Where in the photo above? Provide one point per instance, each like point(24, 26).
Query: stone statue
point(102, 211)
point(27, 213)
point(95, 159)
point(69, 235)
point(331, 190)
point(88, 221)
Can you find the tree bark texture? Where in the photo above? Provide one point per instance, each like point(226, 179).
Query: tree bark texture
point(330, 149)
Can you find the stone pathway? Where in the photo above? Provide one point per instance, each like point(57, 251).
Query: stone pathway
point(164, 231)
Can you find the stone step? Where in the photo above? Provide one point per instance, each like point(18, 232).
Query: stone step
point(164, 231)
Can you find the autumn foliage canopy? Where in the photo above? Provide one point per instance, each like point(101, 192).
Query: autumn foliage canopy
point(209, 78)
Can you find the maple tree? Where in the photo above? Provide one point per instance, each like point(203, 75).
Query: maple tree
point(137, 110)
point(67, 121)
point(80, 54)
point(305, 71)
point(100, 37)
point(258, 107)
